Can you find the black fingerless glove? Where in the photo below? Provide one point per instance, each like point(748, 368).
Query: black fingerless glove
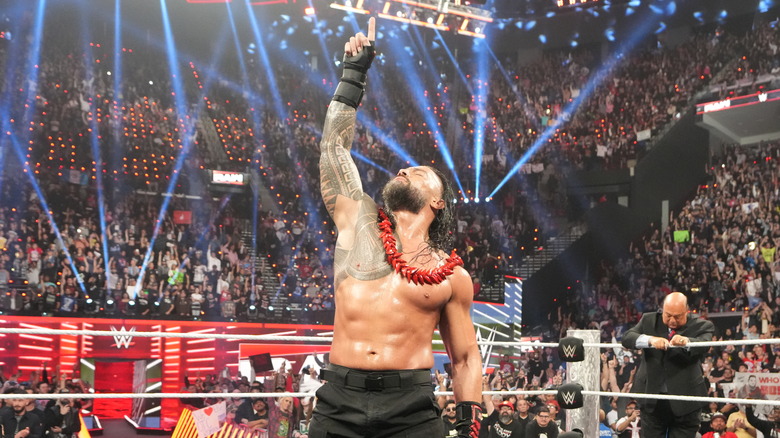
point(468, 419)
point(353, 79)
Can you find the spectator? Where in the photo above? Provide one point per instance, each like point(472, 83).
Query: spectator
point(629, 425)
point(61, 418)
point(542, 425)
point(17, 421)
point(448, 417)
point(506, 426)
point(718, 426)
point(253, 414)
point(739, 425)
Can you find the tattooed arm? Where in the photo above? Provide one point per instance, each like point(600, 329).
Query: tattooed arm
point(339, 179)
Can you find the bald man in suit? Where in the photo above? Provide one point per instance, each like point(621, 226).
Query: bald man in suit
point(670, 366)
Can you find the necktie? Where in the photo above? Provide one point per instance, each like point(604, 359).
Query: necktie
point(671, 333)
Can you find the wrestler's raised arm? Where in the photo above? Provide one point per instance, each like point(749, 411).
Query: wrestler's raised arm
point(339, 179)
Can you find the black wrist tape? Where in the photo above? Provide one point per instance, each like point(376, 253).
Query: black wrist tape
point(352, 86)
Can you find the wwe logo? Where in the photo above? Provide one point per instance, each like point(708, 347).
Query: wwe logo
point(121, 339)
point(568, 397)
point(762, 97)
point(569, 350)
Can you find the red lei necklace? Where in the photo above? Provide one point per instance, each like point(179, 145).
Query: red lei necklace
point(415, 275)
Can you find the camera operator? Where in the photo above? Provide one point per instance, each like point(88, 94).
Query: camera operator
point(628, 426)
point(61, 418)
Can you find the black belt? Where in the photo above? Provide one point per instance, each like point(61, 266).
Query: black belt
point(375, 380)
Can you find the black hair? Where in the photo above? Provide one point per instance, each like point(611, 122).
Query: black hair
point(440, 233)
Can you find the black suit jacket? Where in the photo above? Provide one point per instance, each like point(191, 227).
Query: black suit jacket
point(680, 368)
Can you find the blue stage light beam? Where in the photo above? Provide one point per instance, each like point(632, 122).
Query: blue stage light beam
point(181, 114)
point(118, 77)
point(369, 124)
point(433, 67)
point(454, 61)
point(7, 102)
point(370, 162)
point(182, 56)
point(31, 76)
point(423, 103)
point(597, 79)
point(379, 94)
point(94, 131)
point(262, 54)
point(31, 71)
point(483, 80)
point(22, 156)
point(323, 46)
point(237, 42)
point(255, 153)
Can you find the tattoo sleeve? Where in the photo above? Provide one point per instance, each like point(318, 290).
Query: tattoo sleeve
point(338, 173)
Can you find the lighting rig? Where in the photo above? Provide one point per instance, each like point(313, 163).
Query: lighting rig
point(455, 16)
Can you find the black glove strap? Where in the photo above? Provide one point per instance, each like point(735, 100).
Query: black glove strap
point(352, 86)
point(464, 411)
point(349, 94)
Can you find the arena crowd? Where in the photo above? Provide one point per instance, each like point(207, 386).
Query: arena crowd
point(81, 234)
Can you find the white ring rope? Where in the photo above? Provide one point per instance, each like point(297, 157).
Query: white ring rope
point(739, 401)
point(79, 395)
point(150, 395)
point(328, 339)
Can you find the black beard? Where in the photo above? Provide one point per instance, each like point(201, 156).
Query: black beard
point(398, 196)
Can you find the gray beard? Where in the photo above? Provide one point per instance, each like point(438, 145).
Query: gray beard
point(505, 419)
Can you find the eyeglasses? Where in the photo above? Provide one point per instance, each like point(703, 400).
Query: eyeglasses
point(450, 410)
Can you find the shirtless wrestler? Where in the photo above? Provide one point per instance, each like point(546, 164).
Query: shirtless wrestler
point(389, 302)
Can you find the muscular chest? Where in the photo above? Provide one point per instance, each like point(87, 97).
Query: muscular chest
point(391, 293)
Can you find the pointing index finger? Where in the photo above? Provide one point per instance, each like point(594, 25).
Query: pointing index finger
point(372, 29)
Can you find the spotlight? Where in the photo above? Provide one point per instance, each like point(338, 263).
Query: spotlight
point(110, 306)
point(90, 307)
point(253, 312)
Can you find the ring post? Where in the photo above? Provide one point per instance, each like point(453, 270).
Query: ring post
point(586, 373)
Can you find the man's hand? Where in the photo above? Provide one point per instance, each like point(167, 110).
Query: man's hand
point(659, 343)
point(357, 42)
point(468, 417)
point(22, 433)
point(679, 341)
point(358, 55)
